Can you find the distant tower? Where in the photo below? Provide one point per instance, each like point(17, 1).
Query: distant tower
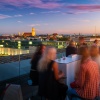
point(19, 33)
point(33, 31)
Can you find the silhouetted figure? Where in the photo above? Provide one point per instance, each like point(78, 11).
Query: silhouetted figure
point(71, 49)
point(34, 62)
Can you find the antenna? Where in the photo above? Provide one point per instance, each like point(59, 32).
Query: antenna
point(95, 29)
point(95, 32)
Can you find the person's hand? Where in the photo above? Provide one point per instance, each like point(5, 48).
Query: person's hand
point(60, 72)
point(74, 85)
point(61, 75)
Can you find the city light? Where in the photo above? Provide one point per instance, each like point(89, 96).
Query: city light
point(2, 40)
point(19, 41)
point(30, 42)
point(1, 45)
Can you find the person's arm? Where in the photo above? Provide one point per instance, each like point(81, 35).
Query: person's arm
point(56, 71)
point(81, 77)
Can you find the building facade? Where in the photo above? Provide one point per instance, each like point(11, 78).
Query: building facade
point(33, 31)
point(28, 34)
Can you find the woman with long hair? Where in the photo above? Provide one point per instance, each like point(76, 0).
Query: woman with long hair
point(49, 76)
point(34, 62)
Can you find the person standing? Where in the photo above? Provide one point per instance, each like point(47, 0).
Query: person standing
point(96, 43)
point(34, 63)
point(86, 85)
point(82, 42)
point(71, 49)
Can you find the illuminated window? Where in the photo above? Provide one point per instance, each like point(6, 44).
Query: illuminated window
point(1, 45)
point(30, 42)
point(19, 45)
point(19, 41)
point(27, 51)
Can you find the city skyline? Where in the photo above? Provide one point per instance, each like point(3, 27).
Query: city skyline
point(50, 16)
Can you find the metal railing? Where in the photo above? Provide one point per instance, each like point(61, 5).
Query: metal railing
point(14, 58)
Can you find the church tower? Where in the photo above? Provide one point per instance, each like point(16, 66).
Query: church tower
point(33, 31)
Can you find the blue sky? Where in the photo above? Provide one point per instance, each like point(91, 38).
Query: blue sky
point(50, 16)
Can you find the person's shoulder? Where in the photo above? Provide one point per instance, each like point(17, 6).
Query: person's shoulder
point(92, 63)
point(68, 46)
point(54, 62)
point(89, 65)
point(54, 65)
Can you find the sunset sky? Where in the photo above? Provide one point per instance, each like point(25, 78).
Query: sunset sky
point(50, 16)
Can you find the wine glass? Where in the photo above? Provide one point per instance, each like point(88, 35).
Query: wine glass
point(64, 56)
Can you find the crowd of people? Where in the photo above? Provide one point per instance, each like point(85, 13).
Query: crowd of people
point(46, 74)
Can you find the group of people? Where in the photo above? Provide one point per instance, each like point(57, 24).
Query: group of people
point(45, 73)
point(73, 48)
point(87, 80)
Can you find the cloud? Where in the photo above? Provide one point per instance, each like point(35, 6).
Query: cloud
point(32, 3)
point(4, 8)
point(19, 21)
point(19, 15)
point(32, 13)
point(32, 25)
point(74, 12)
point(94, 0)
point(52, 0)
point(49, 12)
point(2, 16)
point(49, 4)
point(81, 8)
point(84, 7)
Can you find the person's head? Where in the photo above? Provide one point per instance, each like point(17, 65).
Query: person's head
point(96, 41)
point(40, 49)
point(72, 43)
point(48, 55)
point(94, 51)
point(84, 51)
point(81, 39)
